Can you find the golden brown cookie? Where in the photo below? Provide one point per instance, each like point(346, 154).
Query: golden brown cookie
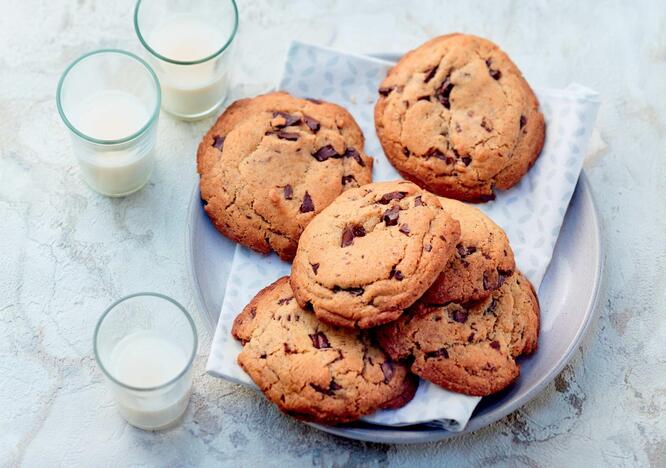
point(271, 163)
point(373, 252)
point(311, 370)
point(483, 259)
point(456, 116)
point(468, 348)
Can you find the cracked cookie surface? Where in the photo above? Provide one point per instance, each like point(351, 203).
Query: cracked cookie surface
point(311, 370)
point(468, 348)
point(272, 162)
point(482, 261)
point(373, 252)
point(457, 117)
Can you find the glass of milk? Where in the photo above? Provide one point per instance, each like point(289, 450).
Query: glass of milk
point(110, 100)
point(145, 344)
point(189, 43)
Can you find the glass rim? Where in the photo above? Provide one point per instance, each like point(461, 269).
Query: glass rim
point(76, 131)
point(190, 361)
point(224, 47)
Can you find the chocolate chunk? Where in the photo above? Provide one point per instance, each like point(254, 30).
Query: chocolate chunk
point(263, 356)
point(488, 284)
point(398, 275)
point(418, 201)
point(330, 391)
point(385, 91)
point(347, 179)
point(355, 291)
point(312, 124)
point(315, 267)
point(359, 231)
point(218, 142)
point(487, 124)
point(307, 204)
point(288, 192)
point(470, 338)
point(495, 345)
point(387, 370)
point(325, 152)
point(442, 352)
point(405, 151)
point(502, 276)
point(284, 300)
point(444, 92)
point(314, 101)
point(287, 349)
point(253, 312)
point(319, 340)
point(352, 291)
point(352, 153)
point(423, 98)
point(428, 247)
point(347, 236)
point(404, 229)
point(290, 136)
point(523, 121)
point(494, 73)
point(325, 391)
point(288, 119)
point(465, 251)
point(204, 202)
point(436, 153)
point(430, 73)
point(387, 197)
point(491, 308)
point(459, 315)
point(466, 160)
point(349, 232)
point(390, 216)
point(485, 198)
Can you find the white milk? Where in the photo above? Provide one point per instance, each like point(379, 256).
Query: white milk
point(114, 170)
point(190, 90)
point(145, 359)
point(110, 115)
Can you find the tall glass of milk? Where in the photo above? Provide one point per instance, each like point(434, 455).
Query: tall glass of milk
point(145, 344)
point(189, 43)
point(110, 100)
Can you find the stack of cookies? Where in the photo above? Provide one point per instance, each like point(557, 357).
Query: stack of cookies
point(389, 281)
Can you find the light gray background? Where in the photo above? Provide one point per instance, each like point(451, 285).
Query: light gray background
point(66, 253)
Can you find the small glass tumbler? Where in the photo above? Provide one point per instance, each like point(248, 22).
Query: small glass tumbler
point(189, 43)
point(109, 99)
point(145, 344)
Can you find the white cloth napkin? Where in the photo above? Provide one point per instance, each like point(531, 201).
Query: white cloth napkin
point(531, 213)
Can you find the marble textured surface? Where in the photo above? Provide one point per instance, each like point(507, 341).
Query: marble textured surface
point(66, 252)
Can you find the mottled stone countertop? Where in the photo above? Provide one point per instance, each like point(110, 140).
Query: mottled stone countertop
point(66, 252)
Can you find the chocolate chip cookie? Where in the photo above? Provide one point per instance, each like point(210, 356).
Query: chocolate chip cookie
point(271, 163)
point(311, 370)
point(457, 117)
point(371, 253)
point(468, 348)
point(482, 261)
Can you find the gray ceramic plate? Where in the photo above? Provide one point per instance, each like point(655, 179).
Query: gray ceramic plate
point(568, 297)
